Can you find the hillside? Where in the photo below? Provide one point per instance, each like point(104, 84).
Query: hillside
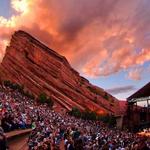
point(30, 63)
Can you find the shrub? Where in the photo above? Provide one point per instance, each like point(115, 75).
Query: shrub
point(50, 102)
point(28, 94)
point(95, 90)
point(14, 86)
point(20, 88)
point(95, 100)
point(44, 99)
point(106, 96)
point(7, 83)
point(89, 115)
point(75, 112)
point(86, 115)
point(110, 120)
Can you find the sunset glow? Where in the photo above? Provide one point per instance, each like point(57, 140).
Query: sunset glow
point(20, 5)
point(110, 38)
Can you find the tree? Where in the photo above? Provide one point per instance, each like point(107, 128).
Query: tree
point(112, 121)
point(42, 98)
point(86, 115)
point(89, 115)
point(75, 112)
point(108, 119)
point(28, 94)
point(7, 83)
point(106, 96)
point(50, 102)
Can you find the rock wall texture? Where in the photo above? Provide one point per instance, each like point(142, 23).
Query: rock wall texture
point(30, 63)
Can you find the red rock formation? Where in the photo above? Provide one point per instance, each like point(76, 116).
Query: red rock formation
point(30, 63)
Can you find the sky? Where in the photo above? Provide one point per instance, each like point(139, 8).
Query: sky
point(106, 41)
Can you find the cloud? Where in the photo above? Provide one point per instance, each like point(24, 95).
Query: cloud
point(135, 74)
point(98, 37)
point(122, 89)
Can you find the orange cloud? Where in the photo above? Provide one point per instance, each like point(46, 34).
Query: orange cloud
point(98, 37)
point(135, 74)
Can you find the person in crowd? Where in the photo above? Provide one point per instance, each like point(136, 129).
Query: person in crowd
point(53, 130)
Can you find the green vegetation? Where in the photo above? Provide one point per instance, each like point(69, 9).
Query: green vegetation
point(95, 100)
point(19, 88)
point(75, 112)
point(86, 115)
point(95, 90)
point(13, 86)
point(80, 83)
point(28, 94)
point(99, 92)
point(77, 90)
point(106, 96)
point(91, 115)
point(108, 119)
point(44, 99)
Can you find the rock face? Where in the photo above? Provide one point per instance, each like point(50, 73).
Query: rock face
point(30, 63)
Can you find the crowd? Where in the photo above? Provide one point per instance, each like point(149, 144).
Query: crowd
point(53, 130)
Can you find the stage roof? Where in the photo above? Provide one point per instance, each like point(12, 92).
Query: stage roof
point(143, 92)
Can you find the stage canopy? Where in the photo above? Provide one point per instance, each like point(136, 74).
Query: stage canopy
point(141, 95)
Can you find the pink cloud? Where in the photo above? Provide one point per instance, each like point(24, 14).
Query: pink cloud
point(98, 37)
point(135, 74)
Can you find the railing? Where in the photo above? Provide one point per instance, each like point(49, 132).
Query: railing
point(17, 140)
